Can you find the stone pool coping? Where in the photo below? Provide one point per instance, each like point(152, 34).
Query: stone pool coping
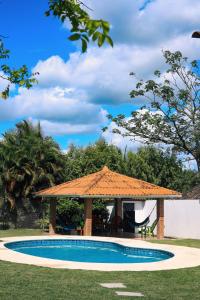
point(184, 257)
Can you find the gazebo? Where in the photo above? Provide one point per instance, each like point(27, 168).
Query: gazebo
point(107, 185)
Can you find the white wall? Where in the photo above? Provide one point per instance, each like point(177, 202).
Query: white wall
point(182, 217)
point(139, 209)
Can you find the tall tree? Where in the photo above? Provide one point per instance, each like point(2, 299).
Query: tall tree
point(83, 161)
point(160, 167)
point(171, 113)
point(148, 163)
point(28, 162)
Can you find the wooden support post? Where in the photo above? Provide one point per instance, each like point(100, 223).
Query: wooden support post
point(87, 217)
point(118, 213)
point(160, 219)
point(115, 216)
point(52, 216)
point(119, 208)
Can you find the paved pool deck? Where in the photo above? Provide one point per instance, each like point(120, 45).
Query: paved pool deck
point(184, 257)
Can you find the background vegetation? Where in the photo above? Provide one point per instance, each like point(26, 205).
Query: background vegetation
point(30, 161)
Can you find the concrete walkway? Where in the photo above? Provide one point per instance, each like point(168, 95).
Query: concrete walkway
point(184, 257)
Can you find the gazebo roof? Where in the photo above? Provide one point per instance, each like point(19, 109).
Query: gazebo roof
point(108, 184)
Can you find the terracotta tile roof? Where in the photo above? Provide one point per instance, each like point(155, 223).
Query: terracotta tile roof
point(106, 183)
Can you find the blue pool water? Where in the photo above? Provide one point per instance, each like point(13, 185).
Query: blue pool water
point(88, 251)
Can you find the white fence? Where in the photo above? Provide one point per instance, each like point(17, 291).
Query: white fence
point(182, 217)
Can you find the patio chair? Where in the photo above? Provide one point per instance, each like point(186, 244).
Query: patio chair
point(148, 230)
point(69, 228)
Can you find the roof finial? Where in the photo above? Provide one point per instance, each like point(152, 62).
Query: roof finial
point(105, 168)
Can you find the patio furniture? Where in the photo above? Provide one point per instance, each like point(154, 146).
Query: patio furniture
point(144, 223)
point(148, 230)
point(72, 229)
point(68, 228)
point(141, 226)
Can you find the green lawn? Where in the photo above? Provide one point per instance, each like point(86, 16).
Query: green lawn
point(20, 232)
point(18, 281)
point(179, 242)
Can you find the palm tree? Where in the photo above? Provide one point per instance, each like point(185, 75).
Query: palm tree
point(29, 161)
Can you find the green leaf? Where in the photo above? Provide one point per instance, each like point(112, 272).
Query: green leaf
point(96, 23)
point(95, 36)
point(101, 40)
point(84, 45)
point(84, 36)
point(109, 41)
point(22, 82)
point(106, 27)
point(74, 37)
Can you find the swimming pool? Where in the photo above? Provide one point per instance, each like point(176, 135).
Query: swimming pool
point(89, 251)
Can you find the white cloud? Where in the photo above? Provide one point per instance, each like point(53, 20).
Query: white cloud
point(60, 110)
point(122, 142)
point(97, 73)
point(102, 75)
point(158, 21)
point(70, 94)
point(60, 128)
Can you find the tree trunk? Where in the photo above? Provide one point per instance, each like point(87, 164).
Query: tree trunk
point(198, 164)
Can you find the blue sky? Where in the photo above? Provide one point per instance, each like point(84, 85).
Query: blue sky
point(31, 35)
point(76, 91)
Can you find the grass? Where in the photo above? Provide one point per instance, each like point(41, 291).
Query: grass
point(178, 242)
point(20, 232)
point(28, 282)
point(18, 281)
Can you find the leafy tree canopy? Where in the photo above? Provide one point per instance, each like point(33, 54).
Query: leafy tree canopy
point(160, 167)
point(148, 163)
point(20, 77)
point(28, 162)
point(71, 211)
point(83, 27)
point(171, 114)
point(83, 161)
